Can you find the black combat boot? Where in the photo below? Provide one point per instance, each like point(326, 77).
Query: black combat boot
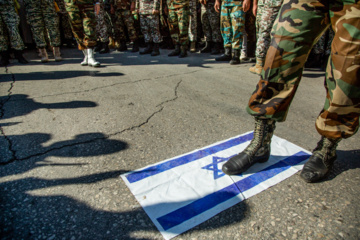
point(236, 57)
point(19, 56)
point(183, 52)
point(104, 48)
point(216, 48)
point(98, 46)
point(258, 151)
point(135, 47)
point(5, 57)
point(226, 56)
point(321, 161)
point(148, 49)
point(176, 51)
point(206, 48)
point(155, 51)
point(122, 46)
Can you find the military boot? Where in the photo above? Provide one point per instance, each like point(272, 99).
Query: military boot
point(258, 151)
point(155, 51)
point(44, 55)
point(19, 56)
point(258, 66)
point(226, 56)
point(104, 48)
point(206, 48)
point(176, 51)
point(321, 161)
point(236, 57)
point(183, 52)
point(5, 57)
point(57, 54)
point(148, 49)
point(135, 46)
point(91, 59)
point(216, 48)
point(192, 47)
point(85, 61)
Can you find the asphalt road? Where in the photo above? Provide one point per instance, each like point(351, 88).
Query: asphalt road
point(68, 132)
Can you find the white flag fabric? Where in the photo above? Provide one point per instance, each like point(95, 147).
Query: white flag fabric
point(182, 192)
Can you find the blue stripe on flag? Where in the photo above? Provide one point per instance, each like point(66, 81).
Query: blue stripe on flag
point(162, 167)
point(199, 206)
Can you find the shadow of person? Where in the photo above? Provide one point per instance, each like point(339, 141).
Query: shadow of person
point(21, 104)
point(30, 146)
point(57, 75)
point(26, 216)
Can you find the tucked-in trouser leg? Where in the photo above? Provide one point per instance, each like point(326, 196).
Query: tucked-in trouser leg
point(298, 26)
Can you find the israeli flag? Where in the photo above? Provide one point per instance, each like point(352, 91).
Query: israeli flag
point(182, 192)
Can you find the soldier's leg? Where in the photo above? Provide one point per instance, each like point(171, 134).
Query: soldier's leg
point(130, 25)
point(146, 31)
point(36, 21)
point(192, 25)
point(89, 25)
point(237, 27)
point(76, 23)
point(226, 33)
point(155, 33)
point(10, 27)
point(4, 42)
point(174, 31)
point(298, 25)
point(184, 17)
point(51, 22)
point(119, 31)
point(206, 28)
point(214, 19)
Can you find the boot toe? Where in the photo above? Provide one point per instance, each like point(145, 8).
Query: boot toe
point(236, 165)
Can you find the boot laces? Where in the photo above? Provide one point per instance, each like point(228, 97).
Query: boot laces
point(326, 150)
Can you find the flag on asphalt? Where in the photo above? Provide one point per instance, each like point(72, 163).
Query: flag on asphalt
point(182, 192)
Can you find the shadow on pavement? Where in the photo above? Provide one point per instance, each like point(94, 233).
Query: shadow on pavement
point(21, 105)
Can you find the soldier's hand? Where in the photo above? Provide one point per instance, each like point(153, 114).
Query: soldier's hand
point(246, 5)
point(155, 12)
point(217, 5)
point(112, 10)
point(97, 8)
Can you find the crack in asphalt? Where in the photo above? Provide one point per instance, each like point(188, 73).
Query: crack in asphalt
point(2, 111)
point(91, 140)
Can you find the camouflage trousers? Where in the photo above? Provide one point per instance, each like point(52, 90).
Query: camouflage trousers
point(150, 28)
point(210, 20)
point(298, 26)
point(83, 24)
point(124, 19)
point(265, 19)
point(232, 24)
point(179, 25)
point(64, 20)
point(102, 31)
point(323, 46)
point(42, 17)
point(9, 29)
point(193, 21)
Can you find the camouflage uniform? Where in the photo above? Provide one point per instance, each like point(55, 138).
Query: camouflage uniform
point(83, 23)
point(193, 20)
point(102, 31)
point(232, 20)
point(210, 20)
point(124, 18)
point(179, 14)
point(9, 27)
point(266, 14)
point(298, 26)
point(250, 30)
point(41, 16)
point(64, 20)
point(150, 25)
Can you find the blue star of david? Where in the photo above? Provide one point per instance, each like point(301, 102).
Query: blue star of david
point(214, 167)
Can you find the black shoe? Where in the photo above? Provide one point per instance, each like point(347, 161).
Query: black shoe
point(226, 56)
point(183, 52)
point(216, 48)
point(176, 51)
point(122, 47)
point(135, 47)
point(104, 48)
point(5, 57)
point(207, 47)
point(236, 57)
point(148, 49)
point(155, 51)
point(19, 56)
point(321, 161)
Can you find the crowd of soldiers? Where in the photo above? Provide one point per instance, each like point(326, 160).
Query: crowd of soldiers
point(240, 29)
